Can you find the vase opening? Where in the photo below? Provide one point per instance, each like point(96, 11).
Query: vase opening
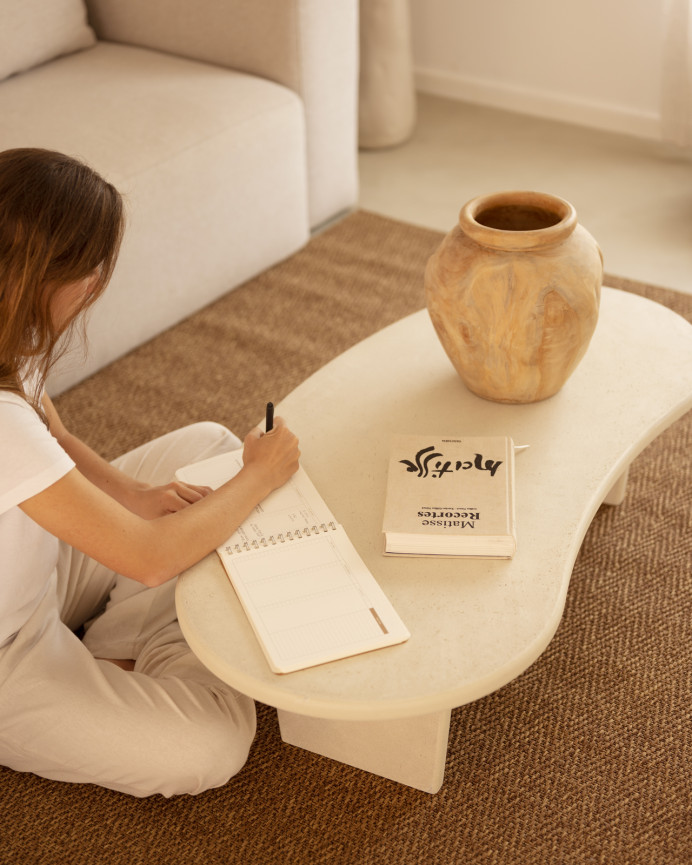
point(515, 221)
point(517, 217)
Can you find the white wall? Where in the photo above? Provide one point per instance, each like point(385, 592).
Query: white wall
point(594, 62)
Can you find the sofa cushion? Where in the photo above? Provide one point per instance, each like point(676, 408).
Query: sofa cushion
point(34, 31)
point(212, 165)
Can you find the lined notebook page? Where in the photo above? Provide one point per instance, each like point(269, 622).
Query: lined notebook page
point(312, 601)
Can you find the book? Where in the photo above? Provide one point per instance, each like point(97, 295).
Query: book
point(450, 496)
point(307, 593)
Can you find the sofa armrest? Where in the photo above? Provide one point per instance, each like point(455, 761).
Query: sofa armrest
point(310, 46)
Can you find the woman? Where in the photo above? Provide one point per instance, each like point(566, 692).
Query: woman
point(94, 547)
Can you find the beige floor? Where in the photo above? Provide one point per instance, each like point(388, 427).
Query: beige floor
point(634, 196)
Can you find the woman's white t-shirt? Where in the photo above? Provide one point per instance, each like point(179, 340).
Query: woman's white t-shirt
point(31, 460)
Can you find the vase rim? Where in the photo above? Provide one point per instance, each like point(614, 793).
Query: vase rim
point(515, 220)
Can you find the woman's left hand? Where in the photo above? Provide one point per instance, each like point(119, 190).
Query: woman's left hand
point(151, 502)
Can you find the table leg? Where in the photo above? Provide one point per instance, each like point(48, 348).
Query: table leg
point(617, 491)
point(411, 751)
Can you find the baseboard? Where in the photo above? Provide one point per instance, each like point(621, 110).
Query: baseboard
point(552, 106)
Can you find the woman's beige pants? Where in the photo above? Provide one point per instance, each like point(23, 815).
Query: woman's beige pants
point(170, 726)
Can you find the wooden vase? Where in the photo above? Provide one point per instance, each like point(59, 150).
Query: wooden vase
point(513, 292)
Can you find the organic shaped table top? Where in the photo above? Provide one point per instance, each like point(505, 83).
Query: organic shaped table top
point(475, 624)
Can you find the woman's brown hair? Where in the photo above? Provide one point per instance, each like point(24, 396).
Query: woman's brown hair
point(59, 222)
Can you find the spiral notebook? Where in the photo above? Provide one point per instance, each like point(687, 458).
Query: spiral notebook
point(307, 593)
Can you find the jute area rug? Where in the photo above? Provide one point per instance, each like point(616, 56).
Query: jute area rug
point(585, 758)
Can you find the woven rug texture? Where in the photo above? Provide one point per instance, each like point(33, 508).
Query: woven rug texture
point(585, 758)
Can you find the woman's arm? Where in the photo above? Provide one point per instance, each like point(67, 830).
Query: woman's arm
point(141, 498)
point(82, 514)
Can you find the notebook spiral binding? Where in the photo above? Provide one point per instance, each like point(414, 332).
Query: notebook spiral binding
point(298, 534)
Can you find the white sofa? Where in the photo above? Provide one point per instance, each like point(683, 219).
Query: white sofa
point(229, 125)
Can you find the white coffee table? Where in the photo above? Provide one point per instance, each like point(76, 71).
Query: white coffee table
point(475, 625)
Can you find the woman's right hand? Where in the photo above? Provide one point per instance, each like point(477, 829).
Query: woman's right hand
point(275, 454)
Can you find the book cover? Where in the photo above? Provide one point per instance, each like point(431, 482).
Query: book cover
point(450, 496)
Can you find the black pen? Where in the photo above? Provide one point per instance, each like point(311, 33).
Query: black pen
point(269, 425)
